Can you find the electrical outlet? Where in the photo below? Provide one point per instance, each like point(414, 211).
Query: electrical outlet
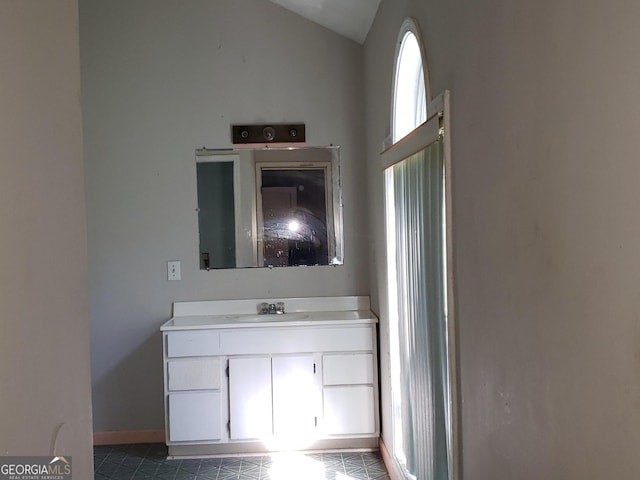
point(173, 271)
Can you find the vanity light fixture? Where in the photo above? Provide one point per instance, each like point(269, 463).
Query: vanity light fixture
point(268, 133)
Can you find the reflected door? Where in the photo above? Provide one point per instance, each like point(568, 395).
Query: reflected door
point(294, 214)
point(278, 209)
point(216, 211)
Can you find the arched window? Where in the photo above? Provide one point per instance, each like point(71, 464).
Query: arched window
point(409, 89)
point(418, 270)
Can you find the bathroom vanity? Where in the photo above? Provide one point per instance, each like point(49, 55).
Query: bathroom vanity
point(238, 381)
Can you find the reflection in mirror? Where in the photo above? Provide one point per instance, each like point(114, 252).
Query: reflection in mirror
point(294, 211)
point(269, 207)
point(216, 221)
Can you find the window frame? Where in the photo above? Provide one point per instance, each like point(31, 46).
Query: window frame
point(409, 26)
point(437, 122)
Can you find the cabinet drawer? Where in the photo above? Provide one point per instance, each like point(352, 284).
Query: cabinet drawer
point(254, 341)
point(194, 416)
point(349, 410)
point(347, 369)
point(191, 344)
point(193, 374)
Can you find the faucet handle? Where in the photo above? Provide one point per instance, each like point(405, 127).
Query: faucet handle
point(263, 308)
point(280, 307)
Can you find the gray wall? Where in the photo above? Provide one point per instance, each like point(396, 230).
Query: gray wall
point(161, 78)
point(545, 113)
point(45, 397)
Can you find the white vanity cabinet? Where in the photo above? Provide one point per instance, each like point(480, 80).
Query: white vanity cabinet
point(272, 397)
point(348, 394)
point(296, 399)
point(239, 383)
point(194, 386)
point(250, 406)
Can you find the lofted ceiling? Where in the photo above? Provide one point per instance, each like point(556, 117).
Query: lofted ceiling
point(350, 18)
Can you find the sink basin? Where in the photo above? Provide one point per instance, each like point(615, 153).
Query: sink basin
point(226, 317)
point(285, 317)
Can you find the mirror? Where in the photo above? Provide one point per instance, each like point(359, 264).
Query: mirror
point(269, 207)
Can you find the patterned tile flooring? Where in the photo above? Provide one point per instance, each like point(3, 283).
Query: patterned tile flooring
point(148, 461)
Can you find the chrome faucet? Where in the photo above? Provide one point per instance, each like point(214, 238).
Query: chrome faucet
point(271, 308)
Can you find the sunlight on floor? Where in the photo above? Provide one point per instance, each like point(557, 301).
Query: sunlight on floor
point(342, 476)
point(291, 465)
point(294, 466)
point(149, 461)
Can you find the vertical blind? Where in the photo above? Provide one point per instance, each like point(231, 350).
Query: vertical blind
point(415, 207)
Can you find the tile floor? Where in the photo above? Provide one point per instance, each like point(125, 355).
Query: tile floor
point(148, 461)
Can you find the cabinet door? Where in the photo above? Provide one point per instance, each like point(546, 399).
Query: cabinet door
point(295, 397)
point(194, 416)
point(349, 410)
point(250, 404)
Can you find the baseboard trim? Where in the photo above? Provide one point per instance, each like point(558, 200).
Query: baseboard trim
point(204, 450)
point(126, 437)
point(388, 461)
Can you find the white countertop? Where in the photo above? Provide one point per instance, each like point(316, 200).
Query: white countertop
point(295, 319)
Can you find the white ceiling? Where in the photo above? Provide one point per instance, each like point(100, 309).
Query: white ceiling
point(351, 18)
